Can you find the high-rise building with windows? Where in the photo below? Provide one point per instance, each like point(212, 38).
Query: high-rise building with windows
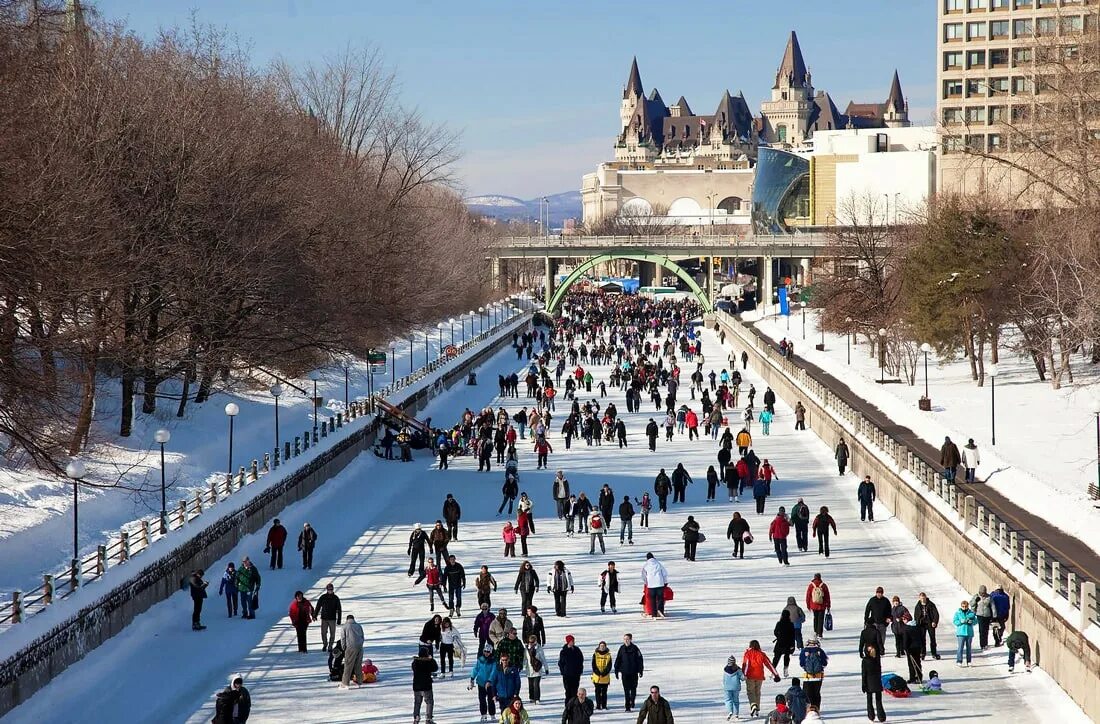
point(989, 81)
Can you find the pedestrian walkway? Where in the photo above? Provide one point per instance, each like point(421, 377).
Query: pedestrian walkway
point(1076, 556)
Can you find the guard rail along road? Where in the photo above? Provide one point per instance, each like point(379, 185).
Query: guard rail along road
point(1051, 599)
point(48, 629)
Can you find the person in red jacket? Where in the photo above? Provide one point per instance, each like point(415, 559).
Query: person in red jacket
point(818, 601)
point(542, 448)
point(692, 422)
point(777, 534)
point(742, 469)
point(276, 539)
point(433, 579)
point(301, 615)
point(753, 663)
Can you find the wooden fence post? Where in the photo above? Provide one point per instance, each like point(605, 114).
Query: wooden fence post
point(213, 493)
point(182, 513)
point(47, 589)
point(297, 446)
point(16, 606)
point(275, 460)
point(145, 532)
point(198, 502)
point(124, 547)
point(100, 559)
point(265, 467)
point(254, 471)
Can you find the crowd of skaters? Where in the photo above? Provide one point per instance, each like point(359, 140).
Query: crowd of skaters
point(593, 332)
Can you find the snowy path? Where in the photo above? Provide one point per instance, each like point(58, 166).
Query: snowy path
point(159, 671)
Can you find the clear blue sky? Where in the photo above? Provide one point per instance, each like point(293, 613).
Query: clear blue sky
point(534, 87)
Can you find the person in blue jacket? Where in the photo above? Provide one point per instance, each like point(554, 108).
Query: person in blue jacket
point(964, 621)
point(732, 680)
point(505, 682)
point(1001, 606)
point(228, 588)
point(484, 670)
point(760, 492)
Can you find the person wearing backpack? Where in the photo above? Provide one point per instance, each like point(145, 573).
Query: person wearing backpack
point(813, 661)
point(797, 701)
point(596, 530)
point(818, 601)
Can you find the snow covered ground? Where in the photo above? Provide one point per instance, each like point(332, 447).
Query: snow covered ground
point(1046, 449)
point(36, 510)
point(158, 670)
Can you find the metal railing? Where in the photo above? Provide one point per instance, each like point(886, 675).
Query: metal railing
point(701, 241)
point(925, 476)
point(137, 536)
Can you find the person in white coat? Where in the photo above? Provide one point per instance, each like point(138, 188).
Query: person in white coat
point(971, 460)
point(559, 582)
point(450, 643)
point(655, 578)
point(534, 666)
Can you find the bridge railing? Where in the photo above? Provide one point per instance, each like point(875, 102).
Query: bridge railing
point(696, 241)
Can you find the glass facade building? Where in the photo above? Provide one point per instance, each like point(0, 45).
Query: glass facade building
point(780, 192)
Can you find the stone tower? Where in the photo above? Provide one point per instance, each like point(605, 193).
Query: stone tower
point(787, 115)
point(895, 114)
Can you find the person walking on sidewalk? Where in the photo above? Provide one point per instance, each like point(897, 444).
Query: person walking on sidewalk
point(871, 682)
point(691, 536)
point(570, 666)
point(423, 668)
point(655, 579)
point(559, 582)
point(866, 495)
point(626, 520)
point(596, 527)
point(452, 513)
point(738, 531)
point(307, 541)
point(818, 601)
point(971, 459)
point(981, 605)
point(777, 534)
point(754, 662)
point(927, 617)
point(629, 666)
point(841, 456)
point(799, 416)
point(301, 615)
point(964, 621)
point(609, 586)
point(228, 588)
point(949, 459)
point(662, 486)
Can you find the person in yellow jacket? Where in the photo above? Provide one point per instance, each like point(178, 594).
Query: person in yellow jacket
point(515, 713)
point(601, 673)
point(743, 440)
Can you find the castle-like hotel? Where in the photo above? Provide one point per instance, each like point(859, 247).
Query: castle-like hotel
point(671, 161)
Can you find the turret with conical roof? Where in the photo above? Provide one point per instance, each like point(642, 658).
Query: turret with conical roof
point(896, 110)
point(633, 85)
point(792, 71)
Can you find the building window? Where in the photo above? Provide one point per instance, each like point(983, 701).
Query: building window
point(975, 31)
point(1025, 4)
point(975, 59)
point(1020, 114)
point(998, 58)
point(952, 115)
point(952, 89)
point(996, 114)
point(999, 29)
point(952, 32)
point(1022, 28)
point(1000, 4)
point(1021, 56)
point(781, 133)
point(975, 115)
point(952, 60)
point(978, 4)
point(975, 142)
point(1021, 86)
point(975, 88)
point(952, 143)
point(1046, 26)
point(954, 6)
point(1048, 3)
point(996, 142)
point(1072, 24)
point(998, 86)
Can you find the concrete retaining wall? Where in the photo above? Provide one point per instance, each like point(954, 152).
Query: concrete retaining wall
point(46, 657)
point(1058, 646)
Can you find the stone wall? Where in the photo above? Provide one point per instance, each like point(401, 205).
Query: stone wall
point(46, 657)
point(1058, 644)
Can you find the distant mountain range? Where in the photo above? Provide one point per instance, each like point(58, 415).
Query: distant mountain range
point(563, 206)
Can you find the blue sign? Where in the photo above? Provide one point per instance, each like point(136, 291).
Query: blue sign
point(784, 303)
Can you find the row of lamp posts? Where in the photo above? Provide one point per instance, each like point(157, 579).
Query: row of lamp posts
point(77, 471)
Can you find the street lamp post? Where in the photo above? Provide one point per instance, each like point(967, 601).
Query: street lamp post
point(231, 411)
point(76, 472)
point(277, 392)
point(347, 391)
point(411, 354)
point(471, 313)
point(481, 319)
point(803, 320)
point(452, 323)
point(993, 404)
point(848, 336)
point(316, 405)
point(926, 348)
point(439, 352)
point(162, 437)
point(393, 363)
point(1096, 411)
point(882, 355)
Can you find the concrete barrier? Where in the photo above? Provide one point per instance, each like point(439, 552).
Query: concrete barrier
point(1059, 644)
point(42, 659)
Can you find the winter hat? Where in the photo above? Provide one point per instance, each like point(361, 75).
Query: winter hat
point(235, 678)
point(731, 661)
point(811, 642)
point(982, 590)
point(487, 649)
point(417, 526)
point(569, 639)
